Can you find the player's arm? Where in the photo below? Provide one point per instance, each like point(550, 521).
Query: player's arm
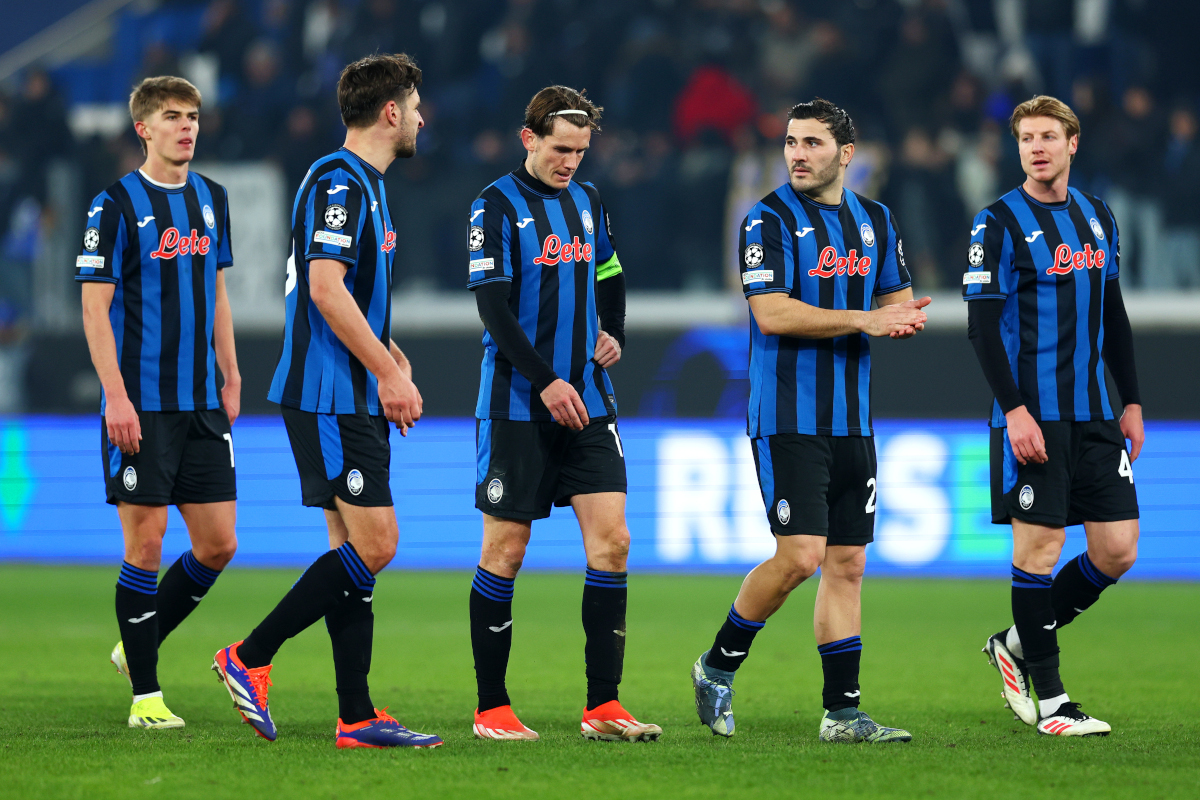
point(327, 288)
point(777, 314)
point(121, 419)
point(610, 288)
point(491, 272)
point(231, 392)
point(1118, 356)
point(893, 283)
point(401, 360)
point(904, 297)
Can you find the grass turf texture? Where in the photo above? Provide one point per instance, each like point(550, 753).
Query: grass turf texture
point(63, 706)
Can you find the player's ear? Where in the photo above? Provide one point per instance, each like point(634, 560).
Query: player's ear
point(847, 154)
point(528, 139)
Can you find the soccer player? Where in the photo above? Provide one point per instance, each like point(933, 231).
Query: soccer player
point(1046, 317)
point(815, 258)
point(542, 267)
point(157, 321)
point(340, 381)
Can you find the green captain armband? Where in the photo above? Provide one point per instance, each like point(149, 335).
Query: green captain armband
point(609, 268)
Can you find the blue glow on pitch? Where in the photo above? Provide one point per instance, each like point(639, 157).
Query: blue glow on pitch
point(694, 504)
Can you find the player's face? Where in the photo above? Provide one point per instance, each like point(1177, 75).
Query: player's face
point(411, 123)
point(171, 132)
point(554, 158)
point(813, 157)
point(1045, 148)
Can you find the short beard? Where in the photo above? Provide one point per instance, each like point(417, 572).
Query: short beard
point(407, 149)
point(819, 180)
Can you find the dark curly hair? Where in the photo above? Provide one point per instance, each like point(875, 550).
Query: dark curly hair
point(368, 83)
point(839, 122)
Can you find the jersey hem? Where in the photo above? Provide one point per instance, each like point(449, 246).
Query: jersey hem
point(489, 280)
point(316, 256)
point(856, 432)
point(95, 279)
point(780, 290)
point(299, 406)
point(879, 291)
point(970, 297)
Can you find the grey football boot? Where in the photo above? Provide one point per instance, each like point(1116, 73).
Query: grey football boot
point(714, 697)
point(852, 725)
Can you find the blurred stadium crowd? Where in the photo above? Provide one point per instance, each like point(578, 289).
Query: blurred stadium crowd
point(694, 93)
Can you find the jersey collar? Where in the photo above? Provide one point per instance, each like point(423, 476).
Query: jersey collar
point(823, 206)
point(1052, 206)
point(522, 176)
point(162, 187)
point(359, 159)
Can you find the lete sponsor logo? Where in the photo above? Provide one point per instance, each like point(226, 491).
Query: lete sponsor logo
point(173, 244)
point(1066, 259)
point(829, 263)
point(555, 250)
point(389, 242)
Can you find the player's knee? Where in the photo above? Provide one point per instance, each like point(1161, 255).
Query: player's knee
point(799, 569)
point(1117, 562)
point(216, 555)
point(512, 555)
point(847, 569)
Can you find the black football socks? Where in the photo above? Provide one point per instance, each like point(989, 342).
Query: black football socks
point(181, 590)
point(604, 598)
point(1033, 613)
point(839, 663)
point(329, 580)
point(137, 616)
point(733, 641)
point(491, 635)
point(1076, 587)
point(351, 625)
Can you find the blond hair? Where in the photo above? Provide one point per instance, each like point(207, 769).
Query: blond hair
point(1045, 106)
point(152, 94)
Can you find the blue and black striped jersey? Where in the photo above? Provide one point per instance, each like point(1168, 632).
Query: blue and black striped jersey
point(837, 257)
point(553, 247)
point(162, 248)
point(1050, 264)
point(341, 214)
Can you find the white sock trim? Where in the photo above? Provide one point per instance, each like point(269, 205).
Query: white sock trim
point(1013, 643)
point(137, 698)
point(1047, 708)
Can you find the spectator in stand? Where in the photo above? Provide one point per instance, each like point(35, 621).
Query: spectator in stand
point(263, 104)
point(1135, 164)
point(925, 199)
point(228, 33)
point(1179, 262)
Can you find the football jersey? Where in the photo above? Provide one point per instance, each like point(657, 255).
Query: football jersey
point(552, 247)
point(1049, 264)
point(341, 214)
point(837, 257)
point(162, 248)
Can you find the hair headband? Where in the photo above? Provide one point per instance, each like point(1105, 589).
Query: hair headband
point(570, 111)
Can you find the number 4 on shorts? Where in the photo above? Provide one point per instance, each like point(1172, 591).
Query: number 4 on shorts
point(1125, 469)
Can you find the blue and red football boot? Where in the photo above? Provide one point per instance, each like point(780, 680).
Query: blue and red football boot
point(248, 688)
point(382, 731)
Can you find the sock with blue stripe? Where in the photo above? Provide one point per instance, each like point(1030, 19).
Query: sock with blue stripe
point(137, 616)
point(491, 635)
point(604, 599)
point(839, 663)
point(181, 590)
point(1033, 614)
point(733, 641)
point(1076, 587)
point(351, 625)
point(329, 580)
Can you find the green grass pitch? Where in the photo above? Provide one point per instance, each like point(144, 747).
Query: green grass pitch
point(1131, 661)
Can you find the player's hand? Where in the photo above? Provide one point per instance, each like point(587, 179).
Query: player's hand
point(565, 405)
point(124, 427)
point(1026, 437)
point(920, 326)
point(898, 318)
point(1133, 429)
point(608, 352)
point(231, 398)
point(402, 403)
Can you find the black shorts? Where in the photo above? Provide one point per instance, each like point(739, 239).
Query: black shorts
point(818, 485)
point(184, 457)
point(1088, 477)
point(347, 455)
point(524, 468)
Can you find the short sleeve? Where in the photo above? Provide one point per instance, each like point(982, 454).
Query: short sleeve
point(1113, 268)
point(989, 259)
point(763, 264)
point(488, 244)
point(104, 242)
point(893, 271)
point(225, 249)
point(335, 213)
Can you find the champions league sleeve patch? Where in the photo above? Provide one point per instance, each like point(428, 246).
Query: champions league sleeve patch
point(753, 255)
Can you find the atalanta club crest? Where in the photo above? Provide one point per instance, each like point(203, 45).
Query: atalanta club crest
point(753, 255)
point(495, 491)
point(587, 222)
point(868, 235)
point(209, 218)
point(354, 482)
point(1096, 229)
point(1026, 497)
point(129, 479)
point(784, 512)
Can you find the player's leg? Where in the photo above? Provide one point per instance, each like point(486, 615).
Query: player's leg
point(601, 518)
point(837, 612)
point(793, 474)
point(351, 626)
point(517, 466)
point(205, 491)
point(1111, 552)
point(500, 558)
